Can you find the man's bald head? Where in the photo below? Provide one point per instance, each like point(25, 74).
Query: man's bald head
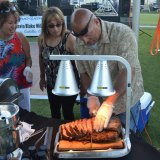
point(86, 26)
point(80, 15)
point(80, 18)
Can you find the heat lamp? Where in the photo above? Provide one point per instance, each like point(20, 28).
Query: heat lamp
point(101, 86)
point(65, 84)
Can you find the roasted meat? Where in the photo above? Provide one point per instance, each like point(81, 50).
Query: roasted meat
point(83, 146)
point(82, 130)
point(79, 135)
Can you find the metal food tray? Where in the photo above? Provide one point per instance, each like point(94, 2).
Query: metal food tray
point(109, 153)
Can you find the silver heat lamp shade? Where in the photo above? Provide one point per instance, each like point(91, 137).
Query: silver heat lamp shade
point(65, 84)
point(101, 83)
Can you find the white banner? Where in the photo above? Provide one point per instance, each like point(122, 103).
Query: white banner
point(30, 25)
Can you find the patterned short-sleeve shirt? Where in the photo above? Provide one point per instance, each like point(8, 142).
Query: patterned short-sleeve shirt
point(116, 39)
point(13, 61)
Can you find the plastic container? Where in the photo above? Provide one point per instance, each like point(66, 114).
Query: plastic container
point(146, 104)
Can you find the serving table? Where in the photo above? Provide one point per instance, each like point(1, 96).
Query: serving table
point(140, 149)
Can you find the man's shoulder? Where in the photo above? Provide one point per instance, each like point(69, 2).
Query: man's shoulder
point(116, 25)
point(115, 29)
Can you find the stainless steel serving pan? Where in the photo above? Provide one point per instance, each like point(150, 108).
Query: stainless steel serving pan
point(109, 153)
point(9, 91)
point(8, 114)
point(9, 134)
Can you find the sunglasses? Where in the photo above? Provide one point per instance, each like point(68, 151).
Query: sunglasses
point(53, 26)
point(8, 9)
point(85, 30)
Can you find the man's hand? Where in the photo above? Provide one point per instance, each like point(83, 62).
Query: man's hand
point(103, 116)
point(93, 105)
point(28, 74)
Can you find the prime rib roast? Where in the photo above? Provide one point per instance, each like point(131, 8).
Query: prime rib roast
point(79, 135)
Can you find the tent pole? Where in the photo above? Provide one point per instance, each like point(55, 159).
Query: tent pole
point(135, 17)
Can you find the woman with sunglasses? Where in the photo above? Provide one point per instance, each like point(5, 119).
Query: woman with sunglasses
point(15, 58)
point(55, 39)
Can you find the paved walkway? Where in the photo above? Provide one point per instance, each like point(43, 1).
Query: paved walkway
point(35, 90)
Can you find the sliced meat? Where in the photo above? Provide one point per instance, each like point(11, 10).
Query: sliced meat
point(80, 146)
point(73, 130)
point(82, 130)
point(63, 133)
point(84, 125)
point(90, 125)
point(79, 127)
point(115, 124)
point(68, 130)
point(76, 127)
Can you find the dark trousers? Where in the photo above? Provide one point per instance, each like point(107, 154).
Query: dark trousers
point(58, 102)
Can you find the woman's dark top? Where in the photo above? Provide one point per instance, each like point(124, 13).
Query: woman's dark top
point(51, 67)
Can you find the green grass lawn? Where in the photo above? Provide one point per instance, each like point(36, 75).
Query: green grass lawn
point(41, 107)
point(151, 75)
point(149, 18)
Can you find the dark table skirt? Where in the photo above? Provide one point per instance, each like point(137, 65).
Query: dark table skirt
point(140, 150)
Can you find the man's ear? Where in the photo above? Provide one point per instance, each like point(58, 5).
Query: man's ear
point(96, 21)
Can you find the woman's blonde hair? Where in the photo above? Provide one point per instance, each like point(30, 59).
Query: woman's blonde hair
point(46, 18)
